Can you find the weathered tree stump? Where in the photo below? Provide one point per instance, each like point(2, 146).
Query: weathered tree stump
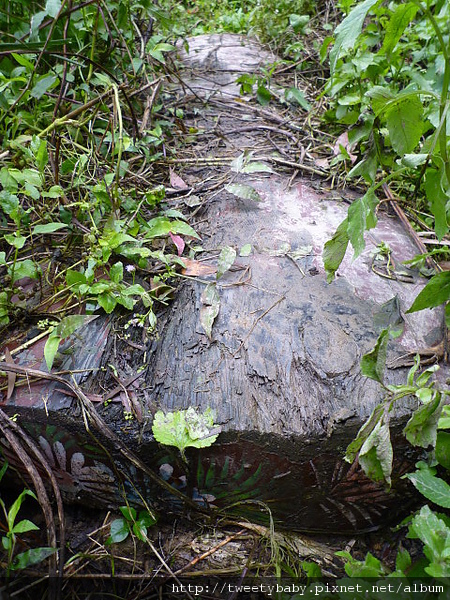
point(281, 369)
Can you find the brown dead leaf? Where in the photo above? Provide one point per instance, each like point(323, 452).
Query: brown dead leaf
point(176, 181)
point(342, 140)
point(195, 268)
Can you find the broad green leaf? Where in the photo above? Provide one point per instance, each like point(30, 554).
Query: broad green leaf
point(366, 168)
point(296, 96)
point(184, 229)
point(128, 512)
point(348, 30)
point(396, 25)
point(15, 239)
point(208, 313)
point(361, 217)
point(52, 7)
point(404, 121)
point(421, 429)
point(379, 96)
point(246, 192)
point(354, 447)
point(22, 60)
point(299, 22)
point(31, 557)
point(51, 348)
point(71, 323)
point(120, 530)
point(376, 454)
point(147, 519)
point(414, 160)
point(263, 95)
point(435, 535)
point(438, 200)
point(373, 363)
point(39, 149)
point(75, 278)
point(335, 249)
point(444, 421)
point(442, 450)
point(116, 272)
point(43, 85)
point(245, 250)
point(185, 428)
point(402, 561)
point(435, 293)
point(107, 301)
point(24, 526)
point(227, 257)
point(48, 228)
point(25, 268)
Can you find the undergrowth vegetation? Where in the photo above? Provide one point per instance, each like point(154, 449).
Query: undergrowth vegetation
point(83, 210)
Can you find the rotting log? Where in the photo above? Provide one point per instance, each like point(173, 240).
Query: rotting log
point(280, 370)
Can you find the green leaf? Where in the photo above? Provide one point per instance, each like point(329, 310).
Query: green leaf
point(116, 272)
point(24, 526)
point(208, 313)
point(120, 530)
point(12, 513)
point(376, 454)
point(39, 149)
point(444, 421)
point(296, 96)
point(348, 30)
point(435, 293)
point(246, 192)
point(15, 239)
point(380, 96)
point(361, 217)
point(442, 450)
point(25, 268)
point(335, 249)
point(421, 429)
point(396, 25)
point(404, 122)
point(227, 257)
point(435, 534)
point(107, 301)
point(31, 557)
point(246, 250)
point(48, 228)
point(71, 323)
point(364, 432)
point(185, 428)
point(51, 348)
point(128, 512)
point(299, 22)
point(263, 95)
point(43, 85)
point(403, 561)
point(374, 362)
point(438, 200)
point(433, 488)
point(52, 7)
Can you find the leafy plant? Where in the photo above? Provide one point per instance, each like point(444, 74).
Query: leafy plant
point(185, 428)
point(131, 523)
point(14, 528)
point(391, 89)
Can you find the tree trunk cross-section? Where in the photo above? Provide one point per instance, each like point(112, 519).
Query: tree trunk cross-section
point(281, 370)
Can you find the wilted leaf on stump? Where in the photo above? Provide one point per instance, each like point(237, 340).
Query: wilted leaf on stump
point(208, 313)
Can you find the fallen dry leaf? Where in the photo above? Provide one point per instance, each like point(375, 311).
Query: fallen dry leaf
point(195, 268)
point(176, 181)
